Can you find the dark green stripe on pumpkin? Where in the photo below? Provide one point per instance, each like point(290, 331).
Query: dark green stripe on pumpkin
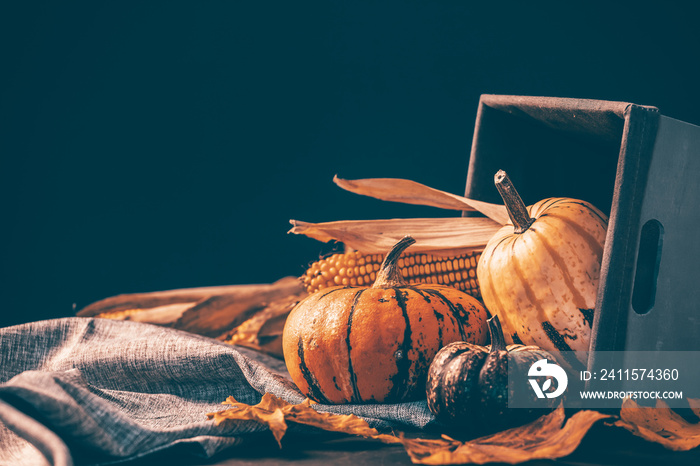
point(505, 237)
point(456, 312)
point(555, 337)
point(603, 220)
point(438, 317)
point(558, 341)
point(549, 203)
point(316, 393)
point(587, 316)
point(420, 292)
point(325, 294)
point(400, 381)
point(353, 377)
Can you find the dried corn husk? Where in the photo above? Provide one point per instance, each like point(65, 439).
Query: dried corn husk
point(439, 236)
point(263, 331)
point(247, 315)
point(410, 192)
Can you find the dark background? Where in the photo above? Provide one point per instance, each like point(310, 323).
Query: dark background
point(159, 145)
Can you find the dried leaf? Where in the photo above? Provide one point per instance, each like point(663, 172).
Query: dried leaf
point(410, 192)
point(275, 413)
point(439, 236)
point(661, 424)
point(694, 404)
point(546, 438)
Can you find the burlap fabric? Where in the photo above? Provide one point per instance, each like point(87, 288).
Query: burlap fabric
point(96, 391)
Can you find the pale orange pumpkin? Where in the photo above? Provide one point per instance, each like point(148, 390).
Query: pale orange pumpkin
point(540, 273)
point(375, 344)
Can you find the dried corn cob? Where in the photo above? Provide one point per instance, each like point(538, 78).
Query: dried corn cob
point(357, 269)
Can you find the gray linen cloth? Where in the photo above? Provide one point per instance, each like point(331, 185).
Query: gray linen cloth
point(95, 391)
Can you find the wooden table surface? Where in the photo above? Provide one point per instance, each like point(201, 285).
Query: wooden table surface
point(602, 446)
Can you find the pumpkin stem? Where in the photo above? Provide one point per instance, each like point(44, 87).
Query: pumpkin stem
point(514, 204)
point(498, 341)
point(389, 274)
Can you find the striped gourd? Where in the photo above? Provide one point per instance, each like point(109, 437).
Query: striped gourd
point(374, 343)
point(358, 269)
point(540, 273)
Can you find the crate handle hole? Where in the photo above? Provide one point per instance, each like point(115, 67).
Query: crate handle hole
point(648, 260)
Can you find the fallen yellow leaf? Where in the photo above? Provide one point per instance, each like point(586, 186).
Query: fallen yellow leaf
point(661, 424)
point(546, 438)
point(275, 413)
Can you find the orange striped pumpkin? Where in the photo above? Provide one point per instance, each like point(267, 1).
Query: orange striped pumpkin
point(540, 274)
point(375, 344)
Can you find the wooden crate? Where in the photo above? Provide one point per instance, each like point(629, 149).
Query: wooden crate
point(639, 167)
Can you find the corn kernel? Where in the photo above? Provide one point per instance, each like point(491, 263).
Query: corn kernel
point(355, 268)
